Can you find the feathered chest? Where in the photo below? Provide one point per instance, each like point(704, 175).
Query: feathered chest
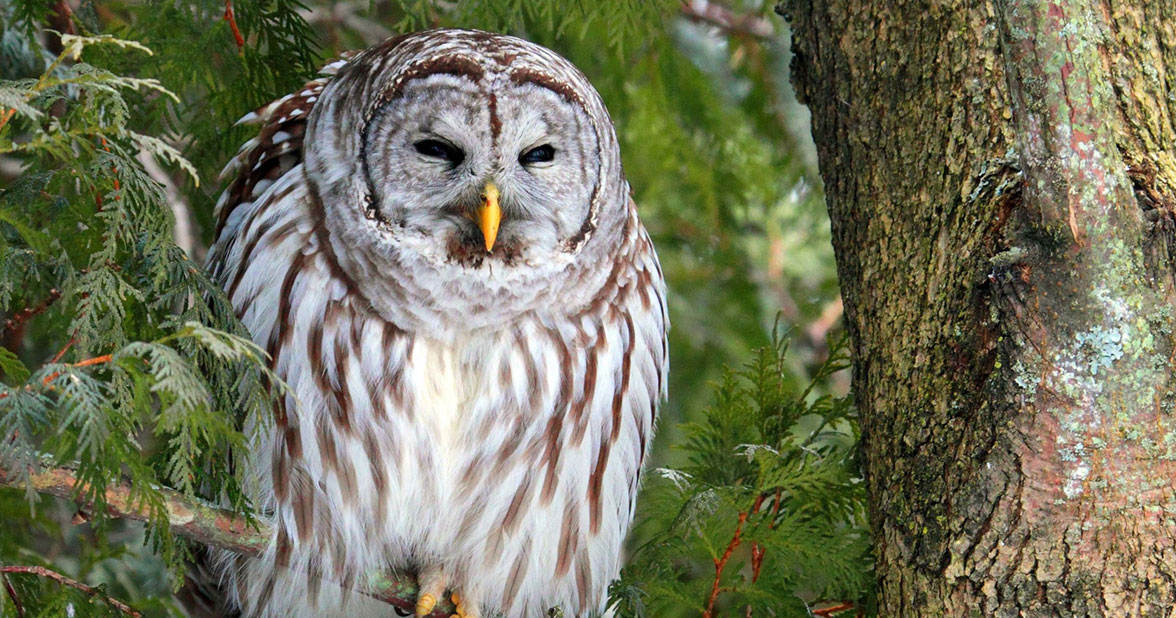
point(477, 389)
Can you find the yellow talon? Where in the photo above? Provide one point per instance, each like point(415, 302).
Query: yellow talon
point(425, 604)
point(462, 610)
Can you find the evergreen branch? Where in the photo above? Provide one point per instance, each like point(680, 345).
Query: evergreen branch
point(61, 579)
point(210, 526)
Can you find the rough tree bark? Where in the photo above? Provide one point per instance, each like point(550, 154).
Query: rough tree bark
point(1000, 176)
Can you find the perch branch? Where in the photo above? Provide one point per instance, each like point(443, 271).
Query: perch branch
point(211, 526)
point(61, 579)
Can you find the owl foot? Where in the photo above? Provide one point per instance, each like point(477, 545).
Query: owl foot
point(432, 583)
point(464, 608)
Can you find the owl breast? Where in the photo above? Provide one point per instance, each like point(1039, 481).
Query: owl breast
point(510, 455)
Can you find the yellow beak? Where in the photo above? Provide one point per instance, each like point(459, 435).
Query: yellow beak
point(489, 215)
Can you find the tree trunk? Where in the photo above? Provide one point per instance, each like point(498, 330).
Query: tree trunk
point(1000, 180)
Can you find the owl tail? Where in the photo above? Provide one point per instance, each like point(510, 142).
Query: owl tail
point(203, 594)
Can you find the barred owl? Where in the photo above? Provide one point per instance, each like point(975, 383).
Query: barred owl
point(435, 243)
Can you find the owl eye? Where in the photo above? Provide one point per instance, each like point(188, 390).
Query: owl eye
point(538, 154)
point(438, 149)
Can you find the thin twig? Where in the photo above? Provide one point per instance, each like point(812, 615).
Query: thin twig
point(757, 550)
point(97, 360)
point(30, 312)
point(47, 380)
point(61, 579)
point(231, 18)
point(6, 115)
point(725, 19)
point(836, 609)
point(721, 562)
point(12, 595)
point(89, 362)
point(818, 331)
point(61, 353)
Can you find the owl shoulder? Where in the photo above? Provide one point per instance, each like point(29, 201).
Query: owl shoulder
point(276, 149)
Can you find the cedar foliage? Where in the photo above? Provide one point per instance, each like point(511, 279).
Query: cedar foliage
point(123, 361)
point(769, 492)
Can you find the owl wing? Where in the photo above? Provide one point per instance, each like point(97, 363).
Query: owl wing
point(267, 258)
point(631, 365)
point(265, 159)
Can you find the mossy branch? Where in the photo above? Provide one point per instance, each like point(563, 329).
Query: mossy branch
point(211, 526)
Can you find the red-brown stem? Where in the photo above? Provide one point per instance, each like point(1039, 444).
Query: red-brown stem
point(229, 17)
point(836, 609)
point(5, 116)
point(97, 360)
point(61, 579)
point(97, 195)
point(757, 552)
point(30, 312)
point(721, 562)
point(757, 558)
point(61, 353)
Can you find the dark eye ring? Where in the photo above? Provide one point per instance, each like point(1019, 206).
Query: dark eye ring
point(538, 154)
point(438, 149)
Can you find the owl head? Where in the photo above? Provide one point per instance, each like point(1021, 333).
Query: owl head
point(477, 173)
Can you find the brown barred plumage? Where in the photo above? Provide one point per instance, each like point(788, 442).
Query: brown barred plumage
point(469, 399)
